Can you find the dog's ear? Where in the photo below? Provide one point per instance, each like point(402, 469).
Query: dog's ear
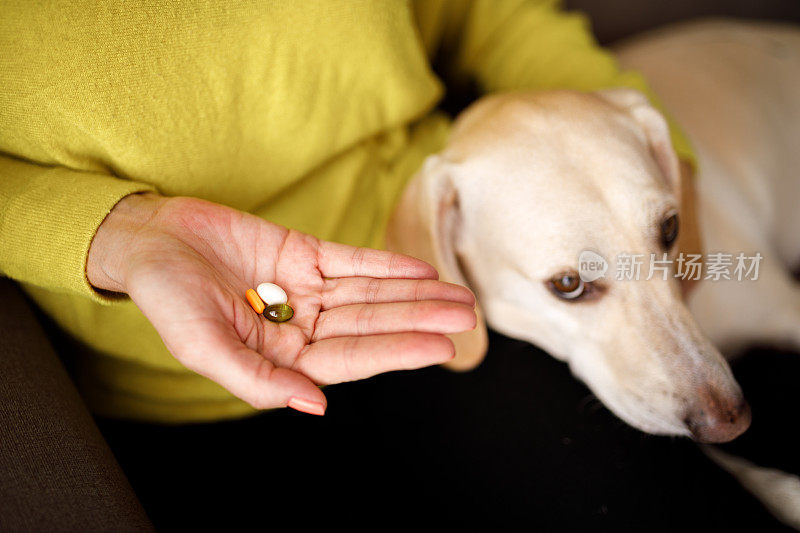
point(441, 216)
point(655, 128)
point(657, 131)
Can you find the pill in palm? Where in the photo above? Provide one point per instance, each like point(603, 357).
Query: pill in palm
point(255, 301)
point(278, 312)
point(271, 294)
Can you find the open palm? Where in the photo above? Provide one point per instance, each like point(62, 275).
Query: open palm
point(358, 312)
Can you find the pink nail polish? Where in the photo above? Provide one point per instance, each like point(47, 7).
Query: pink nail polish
point(306, 406)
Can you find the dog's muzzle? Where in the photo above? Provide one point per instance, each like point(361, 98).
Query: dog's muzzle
point(718, 417)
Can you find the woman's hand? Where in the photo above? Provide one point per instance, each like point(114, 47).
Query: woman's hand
point(187, 263)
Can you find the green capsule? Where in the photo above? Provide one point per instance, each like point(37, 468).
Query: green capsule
point(278, 312)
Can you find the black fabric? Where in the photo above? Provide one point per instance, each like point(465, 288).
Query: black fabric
point(517, 443)
point(770, 380)
point(56, 472)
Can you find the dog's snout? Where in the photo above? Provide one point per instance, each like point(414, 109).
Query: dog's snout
point(718, 417)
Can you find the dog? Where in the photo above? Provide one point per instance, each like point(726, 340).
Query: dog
point(530, 182)
point(735, 88)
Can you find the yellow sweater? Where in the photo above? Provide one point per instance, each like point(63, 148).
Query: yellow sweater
point(310, 114)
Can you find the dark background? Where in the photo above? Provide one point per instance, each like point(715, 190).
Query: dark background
point(518, 442)
point(616, 19)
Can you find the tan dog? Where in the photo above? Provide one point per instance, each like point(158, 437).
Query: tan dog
point(735, 88)
point(529, 181)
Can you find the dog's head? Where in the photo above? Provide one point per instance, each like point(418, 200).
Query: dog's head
point(528, 183)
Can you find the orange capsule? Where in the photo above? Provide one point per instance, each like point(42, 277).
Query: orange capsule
point(255, 301)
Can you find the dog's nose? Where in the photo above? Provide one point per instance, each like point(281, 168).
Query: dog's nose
point(718, 417)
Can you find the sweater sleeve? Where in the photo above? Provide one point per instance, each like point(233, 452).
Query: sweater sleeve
point(48, 218)
point(525, 44)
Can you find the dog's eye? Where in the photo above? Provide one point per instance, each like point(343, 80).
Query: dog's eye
point(669, 231)
point(567, 285)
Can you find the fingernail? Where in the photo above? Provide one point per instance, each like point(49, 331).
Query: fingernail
point(306, 406)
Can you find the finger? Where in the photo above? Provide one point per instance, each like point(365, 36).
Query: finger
point(350, 358)
point(372, 319)
point(345, 291)
point(339, 260)
point(218, 354)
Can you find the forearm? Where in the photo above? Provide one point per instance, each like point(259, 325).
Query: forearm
point(48, 217)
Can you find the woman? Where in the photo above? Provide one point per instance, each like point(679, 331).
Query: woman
point(310, 115)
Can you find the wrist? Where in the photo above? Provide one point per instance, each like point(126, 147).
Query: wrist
point(105, 264)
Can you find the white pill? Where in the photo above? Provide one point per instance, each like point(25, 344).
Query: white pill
point(271, 294)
